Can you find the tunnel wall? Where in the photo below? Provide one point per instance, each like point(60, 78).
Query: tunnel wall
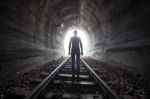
point(124, 39)
point(28, 36)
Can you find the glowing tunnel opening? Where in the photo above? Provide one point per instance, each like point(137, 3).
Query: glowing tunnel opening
point(80, 34)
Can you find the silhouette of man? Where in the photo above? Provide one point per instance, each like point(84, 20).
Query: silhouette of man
point(75, 44)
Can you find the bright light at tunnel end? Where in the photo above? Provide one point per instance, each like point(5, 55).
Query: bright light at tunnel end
point(80, 34)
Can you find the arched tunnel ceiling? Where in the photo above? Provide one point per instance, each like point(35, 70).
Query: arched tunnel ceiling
point(76, 12)
point(66, 10)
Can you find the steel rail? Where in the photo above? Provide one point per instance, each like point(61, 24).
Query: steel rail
point(39, 89)
point(109, 92)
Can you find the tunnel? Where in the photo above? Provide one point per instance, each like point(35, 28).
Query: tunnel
point(33, 32)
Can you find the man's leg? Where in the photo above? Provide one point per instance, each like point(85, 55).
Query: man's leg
point(78, 65)
point(73, 65)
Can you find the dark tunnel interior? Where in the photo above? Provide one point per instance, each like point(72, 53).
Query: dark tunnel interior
point(32, 32)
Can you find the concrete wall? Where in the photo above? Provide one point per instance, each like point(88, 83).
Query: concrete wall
point(28, 36)
point(127, 35)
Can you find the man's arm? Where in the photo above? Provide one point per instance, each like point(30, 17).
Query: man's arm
point(69, 46)
point(81, 47)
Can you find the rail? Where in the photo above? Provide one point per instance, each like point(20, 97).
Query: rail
point(109, 93)
point(40, 88)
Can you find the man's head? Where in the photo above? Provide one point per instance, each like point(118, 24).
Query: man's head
point(75, 32)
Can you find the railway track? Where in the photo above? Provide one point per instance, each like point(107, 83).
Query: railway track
point(60, 85)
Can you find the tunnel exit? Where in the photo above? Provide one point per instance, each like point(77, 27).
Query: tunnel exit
point(81, 34)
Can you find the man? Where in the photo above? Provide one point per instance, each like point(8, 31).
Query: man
point(74, 45)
